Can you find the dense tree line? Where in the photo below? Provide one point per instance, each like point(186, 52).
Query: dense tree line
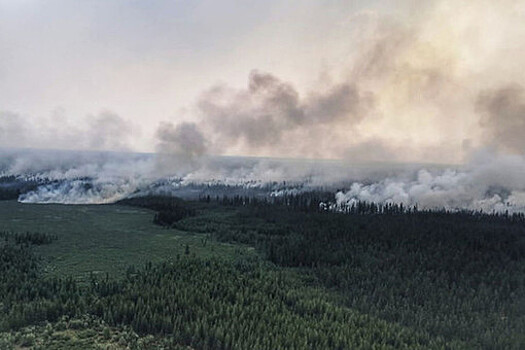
point(11, 187)
point(322, 201)
point(206, 304)
point(7, 193)
point(378, 277)
point(85, 332)
point(24, 297)
point(306, 201)
point(28, 238)
point(458, 274)
point(218, 305)
point(169, 210)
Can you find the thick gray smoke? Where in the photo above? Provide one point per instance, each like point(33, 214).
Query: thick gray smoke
point(179, 149)
point(269, 109)
point(418, 90)
point(185, 140)
point(268, 114)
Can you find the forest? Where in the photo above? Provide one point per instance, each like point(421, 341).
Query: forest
point(367, 277)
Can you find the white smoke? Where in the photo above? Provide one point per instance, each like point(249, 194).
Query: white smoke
point(80, 192)
point(77, 177)
point(489, 182)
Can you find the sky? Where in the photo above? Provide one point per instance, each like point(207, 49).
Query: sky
point(406, 81)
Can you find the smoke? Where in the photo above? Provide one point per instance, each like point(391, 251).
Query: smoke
point(81, 192)
point(95, 178)
point(101, 177)
point(184, 140)
point(414, 88)
point(479, 185)
point(12, 130)
point(72, 177)
point(266, 116)
point(371, 151)
point(103, 131)
point(503, 117)
point(438, 82)
point(108, 131)
point(327, 79)
point(179, 148)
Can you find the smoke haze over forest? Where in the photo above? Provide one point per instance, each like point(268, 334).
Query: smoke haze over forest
point(404, 101)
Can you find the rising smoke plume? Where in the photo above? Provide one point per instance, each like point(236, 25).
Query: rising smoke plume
point(269, 109)
point(441, 82)
point(179, 148)
point(430, 87)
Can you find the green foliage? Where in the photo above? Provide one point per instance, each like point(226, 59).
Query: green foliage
point(9, 193)
point(24, 297)
point(28, 238)
point(169, 209)
point(102, 239)
point(460, 275)
point(208, 304)
point(89, 334)
point(11, 187)
point(20, 289)
point(371, 278)
point(212, 304)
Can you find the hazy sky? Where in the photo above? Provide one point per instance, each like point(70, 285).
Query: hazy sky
point(363, 80)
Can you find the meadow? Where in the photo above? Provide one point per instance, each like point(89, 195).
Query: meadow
point(104, 239)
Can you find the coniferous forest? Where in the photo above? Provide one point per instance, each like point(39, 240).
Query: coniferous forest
point(365, 277)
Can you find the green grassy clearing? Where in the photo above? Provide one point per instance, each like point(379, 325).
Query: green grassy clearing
point(104, 239)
